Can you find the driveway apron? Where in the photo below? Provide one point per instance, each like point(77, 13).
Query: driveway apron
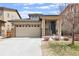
point(20, 47)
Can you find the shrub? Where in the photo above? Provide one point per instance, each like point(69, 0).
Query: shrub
point(76, 39)
point(56, 38)
point(66, 39)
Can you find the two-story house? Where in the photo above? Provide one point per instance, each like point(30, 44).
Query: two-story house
point(7, 14)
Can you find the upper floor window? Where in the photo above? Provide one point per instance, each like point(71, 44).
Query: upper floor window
point(34, 18)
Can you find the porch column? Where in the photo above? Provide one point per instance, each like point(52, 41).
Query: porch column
point(59, 27)
point(43, 27)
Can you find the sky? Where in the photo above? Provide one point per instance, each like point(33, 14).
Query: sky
point(40, 8)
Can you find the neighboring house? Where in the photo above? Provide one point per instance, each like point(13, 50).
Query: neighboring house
point(70, 12)
point(7, 14)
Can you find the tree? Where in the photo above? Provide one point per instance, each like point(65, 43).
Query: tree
point(72, 18)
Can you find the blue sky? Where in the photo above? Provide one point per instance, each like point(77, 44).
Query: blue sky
point(25, 8)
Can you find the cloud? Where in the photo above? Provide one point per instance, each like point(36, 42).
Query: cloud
point(48, 6)
point(17, 4)
point(43, 7)
point(25, 4)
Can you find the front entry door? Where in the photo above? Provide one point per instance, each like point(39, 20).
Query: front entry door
point(53, 27)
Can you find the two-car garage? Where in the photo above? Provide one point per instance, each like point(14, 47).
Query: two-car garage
point(27, 29)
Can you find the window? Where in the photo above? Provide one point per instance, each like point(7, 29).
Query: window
point(29, 25)
point(37, 25)
point(19, 25)
point(26, 25)
point(34, 25)
point(16, 25)
point(34, 18)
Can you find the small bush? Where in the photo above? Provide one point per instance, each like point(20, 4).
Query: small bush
point(57, 39)
point(66, 39)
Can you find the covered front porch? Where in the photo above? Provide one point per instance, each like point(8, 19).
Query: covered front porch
point(51, 25)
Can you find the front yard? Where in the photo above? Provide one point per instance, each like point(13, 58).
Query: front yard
point(60, 48)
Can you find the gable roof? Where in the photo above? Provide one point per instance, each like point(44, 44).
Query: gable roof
point(4, 8)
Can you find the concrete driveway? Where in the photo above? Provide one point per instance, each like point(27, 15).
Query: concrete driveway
point(20, 47)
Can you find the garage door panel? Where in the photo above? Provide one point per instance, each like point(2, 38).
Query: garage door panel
point(28, 31)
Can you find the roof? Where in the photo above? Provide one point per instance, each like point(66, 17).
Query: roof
point(41, 15)
point(4, 8)
point(50, 15)
point(22, 20)
point(35, 14)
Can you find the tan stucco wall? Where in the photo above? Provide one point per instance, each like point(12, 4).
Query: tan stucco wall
point(12, 15)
